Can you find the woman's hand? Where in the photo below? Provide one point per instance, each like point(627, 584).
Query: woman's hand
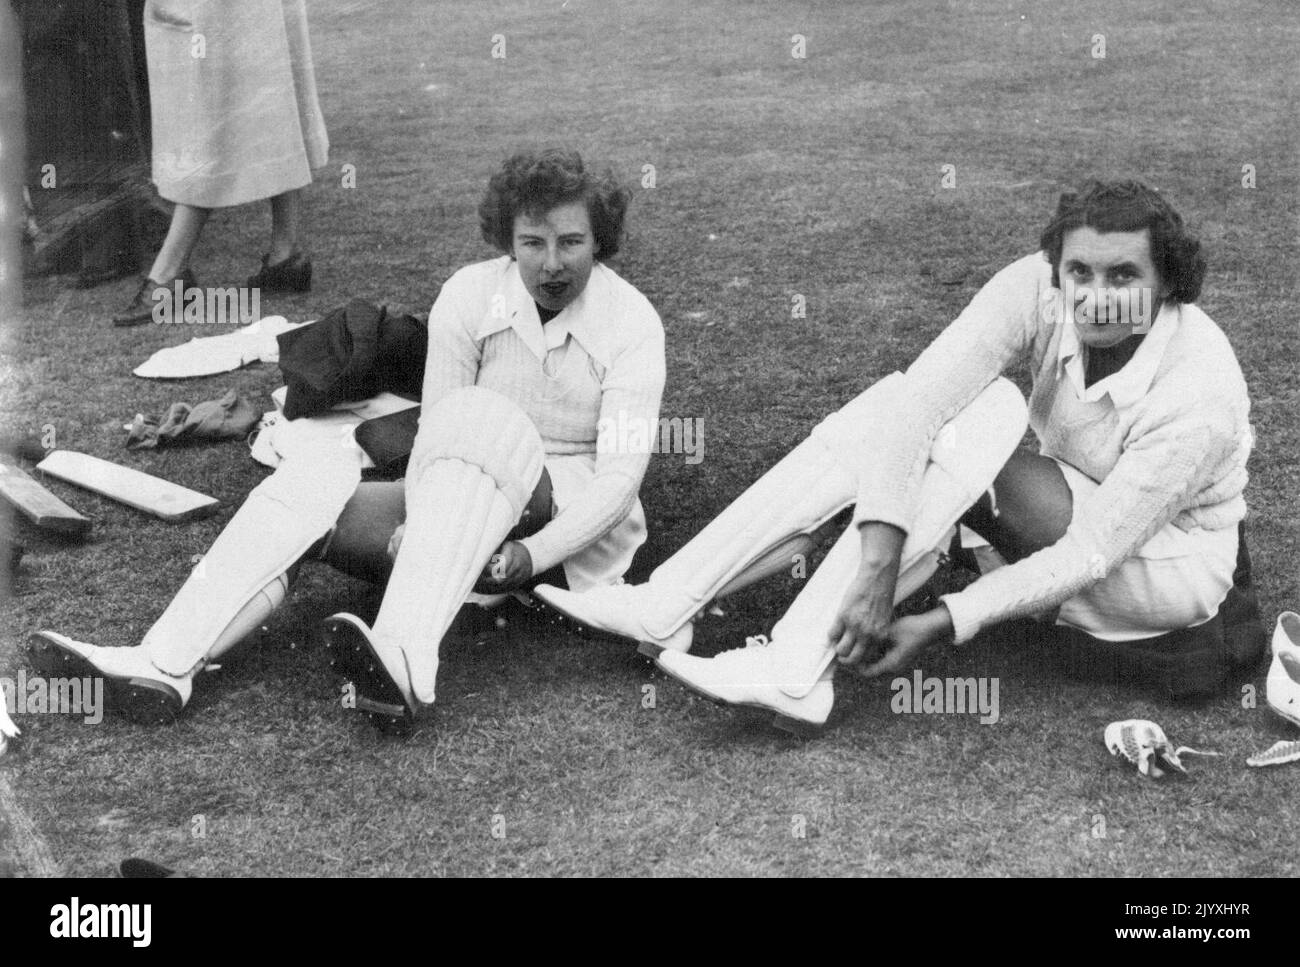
point(908, 637)
point(861, 628)
point(508, 569)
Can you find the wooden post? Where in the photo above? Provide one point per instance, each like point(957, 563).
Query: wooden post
point(12, 162)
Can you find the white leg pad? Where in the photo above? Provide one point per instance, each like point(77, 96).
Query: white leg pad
point(282, 517)
point(810, 485)
point(968, 453)
point(251, 616)
point(468, 490)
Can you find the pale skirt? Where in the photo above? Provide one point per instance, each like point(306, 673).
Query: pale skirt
point(1177, 579)
point(241, 122)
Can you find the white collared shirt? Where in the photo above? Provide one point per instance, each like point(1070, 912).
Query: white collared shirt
point(588, 318)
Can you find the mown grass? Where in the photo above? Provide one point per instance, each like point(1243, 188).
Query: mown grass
point(773, 176)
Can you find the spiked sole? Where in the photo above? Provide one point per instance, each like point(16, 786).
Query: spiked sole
point(786, 723)
point(352, 655)
point(563, 620)
point(142, 700)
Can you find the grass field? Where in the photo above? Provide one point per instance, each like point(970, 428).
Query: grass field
point(773, 176)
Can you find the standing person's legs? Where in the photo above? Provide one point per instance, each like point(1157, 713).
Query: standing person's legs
point(170, 264)
point(173, 258)
point(285, 268)
point(286, 222)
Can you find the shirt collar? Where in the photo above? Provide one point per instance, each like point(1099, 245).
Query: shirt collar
point(1133, 379)
point(585, 318)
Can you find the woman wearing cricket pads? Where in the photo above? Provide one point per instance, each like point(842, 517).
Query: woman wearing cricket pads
point(528, 354)
point(1124, 526)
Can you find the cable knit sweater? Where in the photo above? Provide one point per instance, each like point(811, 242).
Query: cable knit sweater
point(599, 360)
point(1168, 441)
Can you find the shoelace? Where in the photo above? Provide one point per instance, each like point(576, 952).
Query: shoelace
point(751, 641)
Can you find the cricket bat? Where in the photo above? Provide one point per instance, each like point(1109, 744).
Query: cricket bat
point(137, 489)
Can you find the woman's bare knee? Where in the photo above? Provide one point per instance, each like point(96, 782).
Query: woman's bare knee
point(1031, 502)
point(359, 544)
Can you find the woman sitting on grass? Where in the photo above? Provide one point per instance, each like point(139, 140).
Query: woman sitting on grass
point(528, 354)
point(1123, 529)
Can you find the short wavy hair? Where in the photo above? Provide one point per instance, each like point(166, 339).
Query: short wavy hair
point(535, 182)
point(1130, 206)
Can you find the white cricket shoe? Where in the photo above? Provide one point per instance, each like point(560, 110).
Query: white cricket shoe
point(793, 682)
point(132, 683)
point(1283, 686)
point(613, 610)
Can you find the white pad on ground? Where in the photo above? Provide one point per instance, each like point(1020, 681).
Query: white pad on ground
point(209, 355)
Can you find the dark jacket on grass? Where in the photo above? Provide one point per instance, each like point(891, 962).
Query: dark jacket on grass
point(353, 353)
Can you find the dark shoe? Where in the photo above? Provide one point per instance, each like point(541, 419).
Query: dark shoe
point(291, 275)
point(140, 309)
point(135, 868)
point(1243, 628)
point(353, 655)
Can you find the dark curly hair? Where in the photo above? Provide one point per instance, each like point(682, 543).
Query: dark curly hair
point(535, 182)
point(1130, 206)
